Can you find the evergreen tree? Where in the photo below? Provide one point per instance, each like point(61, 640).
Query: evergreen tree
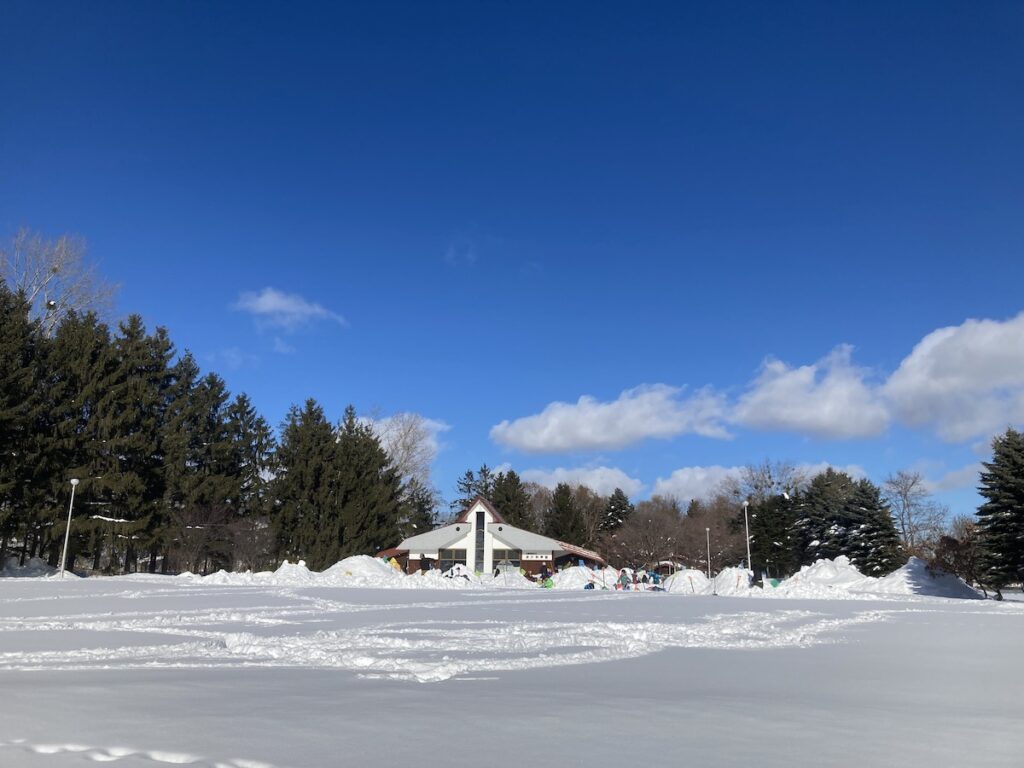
point(20, 408)
point(79, 360)
point(564, 522)
point(128, 467)
point(307, 507)
point(872, 541)
point(773, 542)
point(821, 526)
point(1001, 517)
point(418, 508)
point(512, 501)
point(369, 491)
point(471, 485)
point(618, 510)
point(253, 448)
point(201, 476)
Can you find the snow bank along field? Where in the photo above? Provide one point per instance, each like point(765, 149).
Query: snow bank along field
point(361, 665)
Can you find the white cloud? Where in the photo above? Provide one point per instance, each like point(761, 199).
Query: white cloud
point(694, 482)
point(288, 311)
point(689, 483)
point(282, 347)
point(830, 399)
point(640, 413)
point(964, 381)
point(603, 480)
point(965, 477)
point(233, 358)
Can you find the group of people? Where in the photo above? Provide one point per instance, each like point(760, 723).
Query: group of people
point(645, 581)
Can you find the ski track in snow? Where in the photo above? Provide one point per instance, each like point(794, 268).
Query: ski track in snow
point(422, 651)
point(79, 753)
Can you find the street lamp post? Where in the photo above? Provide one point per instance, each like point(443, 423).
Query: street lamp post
point(67, 533)
point(708, 532)
point(746, 522)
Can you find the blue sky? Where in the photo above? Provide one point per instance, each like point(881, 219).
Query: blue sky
point(737, 231)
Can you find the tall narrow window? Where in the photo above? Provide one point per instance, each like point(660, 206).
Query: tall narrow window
point(479, 565)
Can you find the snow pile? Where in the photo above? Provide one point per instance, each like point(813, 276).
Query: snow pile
point(34, 568)
point(688, 582)
point(578, 576)
point(733, 582)
point(823, 579)
point(916, 578)
point(840, 579)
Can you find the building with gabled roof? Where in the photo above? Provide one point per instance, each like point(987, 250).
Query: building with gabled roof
point(481, 540)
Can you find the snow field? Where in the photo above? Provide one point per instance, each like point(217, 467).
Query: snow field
point(146, 670)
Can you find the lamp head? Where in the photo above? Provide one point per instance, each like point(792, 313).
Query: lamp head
point(74, 481)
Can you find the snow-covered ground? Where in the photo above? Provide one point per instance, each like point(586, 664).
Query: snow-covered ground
point(294, 669)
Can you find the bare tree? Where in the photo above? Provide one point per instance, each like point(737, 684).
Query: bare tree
point(759, 482)
point(957, 551)
point(714, 519)
point(410, 440)
point(651, 534)
point(918, 518)
point(54, 276)
point(540, 502)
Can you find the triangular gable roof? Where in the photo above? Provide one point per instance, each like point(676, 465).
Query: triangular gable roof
point(464, 517)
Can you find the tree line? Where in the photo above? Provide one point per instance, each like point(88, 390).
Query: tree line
point(175, 473)
point(794, 519)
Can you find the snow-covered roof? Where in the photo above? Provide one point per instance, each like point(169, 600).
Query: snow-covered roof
point(439, 538)
point(517, 538)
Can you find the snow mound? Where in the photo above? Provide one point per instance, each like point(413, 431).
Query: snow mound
point(838, 578)
point(688, 582)
point(732, 582)
point(33, 569)
point(822, 579)
point(916, 578)
point(578, 576)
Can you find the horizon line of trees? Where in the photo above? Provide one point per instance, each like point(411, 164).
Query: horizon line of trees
point(176, 474)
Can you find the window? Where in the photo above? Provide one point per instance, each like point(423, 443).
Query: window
point(451, 557)
point(511, 556)
point(479, 566)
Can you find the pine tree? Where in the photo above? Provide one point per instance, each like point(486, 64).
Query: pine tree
point(253, 447)
point(1001, 516)
point(307, 513)
point(369, 490)
point(471, 485)
point(821, 527)
point(418, 508)
point(773, 544)
point(78, 361)
point(128, 469)
point(20, 486)
point(564, 522)
point(872, 541)
point(618, 510)
point(512, 501)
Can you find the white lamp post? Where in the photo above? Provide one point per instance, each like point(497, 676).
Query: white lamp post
point(708, 532)
point(746, 522)
point(67, 533)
